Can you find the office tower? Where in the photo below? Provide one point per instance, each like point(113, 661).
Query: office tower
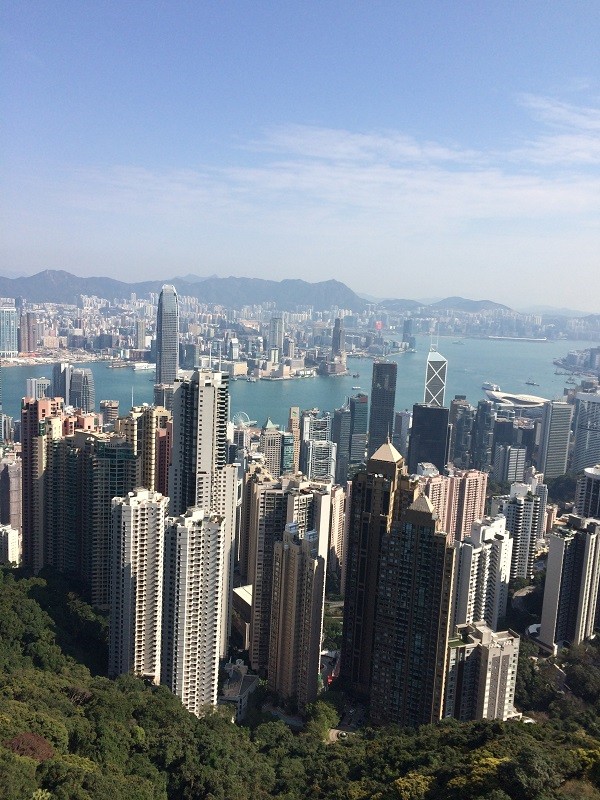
point(338, 340)
point(200, 475)
point(461, 419)
point(296, 615)
point(481, 673)
point(535, 481)
point(402, 426)
point(33, 456)
point(288, 448)
point(315, 425)
point(483, 573)
point(359, 423)
point(378, 498)
point(483, 435)
point(522, 511)
point(509, 463)
point(340, 435)
point(276, 335)
point(10, 551)
point(587, 493)
point(319, 460)
point(555, 436)
point(61, 381)
point(294, 428)
point(110, 411)
point(140, 334)
point(167, 336)
point(429, 437)
point(269, 444)
point(8, 332)
point(83, 392)
point(572, 579)
point(38, 388)
point(141, 429)
point(163, 395)
point(586, 450)
point(194, 574)
point(412, 619)
point(10, 492)
point(435, 379)
point(383, 398)
point(136, 607)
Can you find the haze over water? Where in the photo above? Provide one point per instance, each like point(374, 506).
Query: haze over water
point(508, 363)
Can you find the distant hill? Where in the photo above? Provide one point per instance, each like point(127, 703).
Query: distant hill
point(399, 305)
point(462, 304)
point(58, 286)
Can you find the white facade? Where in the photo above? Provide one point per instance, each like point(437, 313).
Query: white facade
point(483, 573)
point(10, 546)
point(522, 512)
point(138, 527)
point(195, 567)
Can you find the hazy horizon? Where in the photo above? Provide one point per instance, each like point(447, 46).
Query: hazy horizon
point(407, 151)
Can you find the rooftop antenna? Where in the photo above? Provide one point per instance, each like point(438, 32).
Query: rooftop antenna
point(132, 395)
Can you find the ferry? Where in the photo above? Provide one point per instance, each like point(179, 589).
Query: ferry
point(490, 387)
point(356, 387)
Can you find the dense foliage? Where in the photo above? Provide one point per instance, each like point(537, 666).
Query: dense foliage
point(67, 732)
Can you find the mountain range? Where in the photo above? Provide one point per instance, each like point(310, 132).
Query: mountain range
point(58, 286)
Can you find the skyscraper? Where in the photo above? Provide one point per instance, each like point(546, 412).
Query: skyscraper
point(483, 435)
point(341, 436)
point(294, 428)
point(570, 608)
point(383, 398)
point(338, 342)
point(83, 392)
point(412, 619)
point(194, 574)
point(8, 332)
point(483, 573)
point(136, 608)
point(586, 450)
point(200, 475)
point(61, 381)
point(429, 437)
point(296, 615)
point(521, 509)
point(378, 497)
point(276, 335)
point(167, 336)
point(556, 434)
point(359, 423)
point(435, 379)
point(587, 493)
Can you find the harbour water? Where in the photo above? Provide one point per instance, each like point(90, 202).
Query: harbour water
point(510, 364)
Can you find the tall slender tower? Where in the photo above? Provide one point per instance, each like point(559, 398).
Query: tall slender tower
point(435, 379)
point(383, 398)
point(195, 562)
point(556, 433)
point(138, 529)
point(199, 475)
point(586, 450)
point(378, 497)
point(167, 336)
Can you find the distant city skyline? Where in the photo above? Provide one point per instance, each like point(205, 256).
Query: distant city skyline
point(447, 148)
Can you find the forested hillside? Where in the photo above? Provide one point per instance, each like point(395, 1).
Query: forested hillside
point(69, 733)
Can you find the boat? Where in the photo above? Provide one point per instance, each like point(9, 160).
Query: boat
point(458, 341)
point(356, 387)
point(487, 386)
point(531, 383)
point(251, 379)
point(142, 366)
point(356, 375)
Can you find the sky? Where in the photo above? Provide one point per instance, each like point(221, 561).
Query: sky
point(407, 149)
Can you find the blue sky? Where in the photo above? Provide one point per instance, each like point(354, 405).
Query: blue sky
point(408, 149)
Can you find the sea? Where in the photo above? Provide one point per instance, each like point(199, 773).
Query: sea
point(508, 363)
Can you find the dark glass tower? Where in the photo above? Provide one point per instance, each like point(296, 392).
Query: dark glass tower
point(429, 437)
point(83, 392)
point(383, 398)
point(167, 336)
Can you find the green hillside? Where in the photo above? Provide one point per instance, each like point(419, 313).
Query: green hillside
point(69, 733)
